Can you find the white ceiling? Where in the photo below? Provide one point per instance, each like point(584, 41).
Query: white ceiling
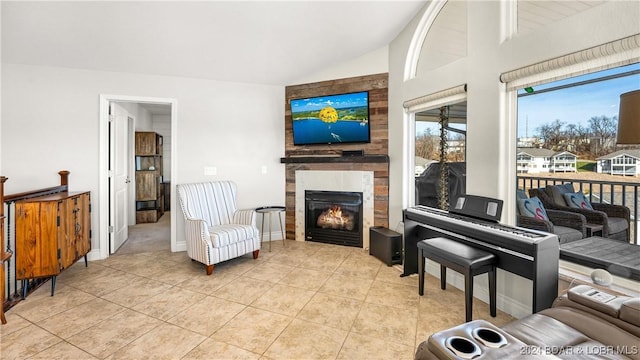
point(264, 42)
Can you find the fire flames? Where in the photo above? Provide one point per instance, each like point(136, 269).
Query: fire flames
point(335, 218)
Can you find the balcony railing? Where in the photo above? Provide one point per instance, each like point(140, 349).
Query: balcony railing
point(607, 192)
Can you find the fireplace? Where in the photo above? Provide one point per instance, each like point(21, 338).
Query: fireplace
point(333, 217)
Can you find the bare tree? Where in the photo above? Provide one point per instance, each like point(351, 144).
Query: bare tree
point(603, 130)
point(427, 145)
point(552, 134)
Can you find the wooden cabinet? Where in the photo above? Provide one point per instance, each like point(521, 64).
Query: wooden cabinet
point(52, 233)
point(149, 191)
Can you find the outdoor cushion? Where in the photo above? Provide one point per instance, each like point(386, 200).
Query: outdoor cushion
point(617, 224)
point(577, 201)
point(532, 208)
point(520, 194)
point(556, 192)
point(566, 234)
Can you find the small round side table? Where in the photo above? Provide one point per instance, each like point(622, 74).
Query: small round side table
point(270, 210)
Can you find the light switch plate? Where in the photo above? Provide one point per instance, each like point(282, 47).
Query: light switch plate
point(210, 170)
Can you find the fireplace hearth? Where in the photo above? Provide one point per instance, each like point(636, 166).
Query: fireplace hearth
point(333, 217)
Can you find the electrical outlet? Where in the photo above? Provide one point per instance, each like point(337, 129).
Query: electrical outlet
point(210, 170)
point(264, 169)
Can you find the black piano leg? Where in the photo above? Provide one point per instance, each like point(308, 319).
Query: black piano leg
point(420, 273)
point(492, 291)
point(443, 277)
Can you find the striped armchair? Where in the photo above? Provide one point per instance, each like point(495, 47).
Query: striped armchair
point(215, 230)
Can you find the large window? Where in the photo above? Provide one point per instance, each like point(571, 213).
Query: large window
point(579, 115)
point(577, 118)
point(430, 146)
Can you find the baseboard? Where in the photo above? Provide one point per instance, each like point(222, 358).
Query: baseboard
point(94, 255)
point(180, 246)
point(275, 236)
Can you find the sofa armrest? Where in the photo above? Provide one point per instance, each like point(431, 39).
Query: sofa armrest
point(245, 217)
point(197, 229)
point(630, 311)
point(597, 299)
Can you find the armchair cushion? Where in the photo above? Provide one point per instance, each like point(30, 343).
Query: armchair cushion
point(566, 234)
point(617, 225)
point(225, 235)
point(577, 201)
point(532, 208)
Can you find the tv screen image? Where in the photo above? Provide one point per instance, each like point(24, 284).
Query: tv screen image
point(331, 119)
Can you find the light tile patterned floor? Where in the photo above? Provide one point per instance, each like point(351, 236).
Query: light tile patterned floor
point(301, 301)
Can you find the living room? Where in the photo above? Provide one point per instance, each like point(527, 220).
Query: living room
point(51, 109)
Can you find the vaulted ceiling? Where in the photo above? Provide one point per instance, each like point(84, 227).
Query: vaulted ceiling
point(264, 42)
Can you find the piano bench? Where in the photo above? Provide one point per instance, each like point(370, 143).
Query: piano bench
point(463, 259)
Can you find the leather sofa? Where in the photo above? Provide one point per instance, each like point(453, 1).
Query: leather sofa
point(584, 323)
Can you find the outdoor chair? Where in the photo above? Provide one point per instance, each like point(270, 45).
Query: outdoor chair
point(615, 219)
point(568, 226)
point(215, 230)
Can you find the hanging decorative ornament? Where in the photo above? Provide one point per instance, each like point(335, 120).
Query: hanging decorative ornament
point(443, 196)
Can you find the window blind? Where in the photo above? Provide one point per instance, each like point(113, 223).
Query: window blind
point(620, 52)
point(437, 99)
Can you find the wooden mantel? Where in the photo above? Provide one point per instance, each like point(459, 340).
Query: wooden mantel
point(334, 159)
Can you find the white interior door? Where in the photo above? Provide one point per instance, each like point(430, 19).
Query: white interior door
point(119, 184)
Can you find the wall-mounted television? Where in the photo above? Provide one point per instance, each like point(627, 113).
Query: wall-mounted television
point(331, 119)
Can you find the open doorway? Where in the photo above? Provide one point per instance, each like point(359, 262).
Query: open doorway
point(123, 118)
point(149, 161)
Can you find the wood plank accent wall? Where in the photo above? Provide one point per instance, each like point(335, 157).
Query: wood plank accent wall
point(377, 86)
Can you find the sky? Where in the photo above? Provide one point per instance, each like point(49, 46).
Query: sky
point(575, 105)
point(336, 101)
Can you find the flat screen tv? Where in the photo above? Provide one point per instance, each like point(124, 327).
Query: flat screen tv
point(331, 119)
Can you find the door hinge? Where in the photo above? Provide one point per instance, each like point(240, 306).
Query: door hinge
point(110, 229)
point(58, 220)
point(90, 234)
point(110, 118)
point(58, 253)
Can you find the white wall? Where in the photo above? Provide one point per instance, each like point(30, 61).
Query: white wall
point(50, 122)
point(491, 164)
point(374, 62)
point(141, 115)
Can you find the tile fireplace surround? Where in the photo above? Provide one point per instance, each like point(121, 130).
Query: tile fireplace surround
point(368, 174)
point(355, 181)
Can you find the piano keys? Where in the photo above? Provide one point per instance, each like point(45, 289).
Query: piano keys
point(528, 253)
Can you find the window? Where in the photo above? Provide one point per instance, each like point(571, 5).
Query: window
point(428, 152)
point(579, 116)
